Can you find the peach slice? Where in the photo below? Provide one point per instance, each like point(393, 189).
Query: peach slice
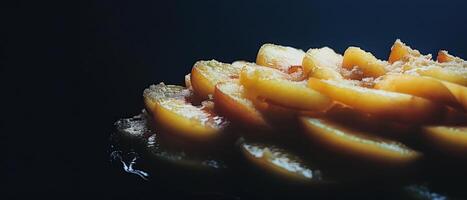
point(454, 73)
point(384, 104)
point(206, 74)
point(279, 57)
point(356, 119)
point(363, 62)
point(452, 139)
point(444, 56)
point(277, 88)
point(459, 92)
point(420, 86)
point(279, 162)
point(415, 63)
point(174, 114)
point(230, 101)
point(278, 116)
point(399, 51)
point(356, 144)
point(448, 68)
point(322, 63)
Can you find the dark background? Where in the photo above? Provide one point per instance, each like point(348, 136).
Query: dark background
point(70, 70)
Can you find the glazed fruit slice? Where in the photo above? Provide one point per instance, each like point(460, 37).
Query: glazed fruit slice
point(459, 92)
point(279, 57)
point(365, 63)
point(322, 63)
point(400, 51)
point(451, 72)
point(279, 162)
point(358, 145)
point(425, 87)
point(206, 74)
point(444, 56)
point(448, 68)
point(351, 117)
point(173, 113)
point(451, 139)
point(277, 88)
point(230, 100)
point(384, 104)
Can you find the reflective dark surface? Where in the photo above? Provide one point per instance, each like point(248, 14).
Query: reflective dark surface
point(69, 70)
point(136, 148)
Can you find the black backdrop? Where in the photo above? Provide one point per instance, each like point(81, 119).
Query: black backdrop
point(69, 70)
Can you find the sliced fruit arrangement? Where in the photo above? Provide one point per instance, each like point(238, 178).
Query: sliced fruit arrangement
point(400, 51)
point(231, 101)
point(356, 144)
point(452, 73)
point(279, 57)
point(444, 56)
point(278, 88)
point(458, 91)
point(387, 105)
point(323, 63)
point(354, 106)
point(206, 74)
point(452, 139)
point(419, 86)
point(172, 112)
point(364, 63)
point(447, 68)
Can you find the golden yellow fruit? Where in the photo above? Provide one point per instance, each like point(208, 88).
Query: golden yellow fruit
point(459, 92)
point(279, 57)
point(399, 51)
point(451, 139)
point(420, 86)
point(322, 63)
point(454, 73)
point(278, 116)
point(384, 104)
point(356, 144)
point(364, 62)
point(351, 117)
point(206, 74)
point(174, 114)
point(444, 56)
point(277, 88)
point(230, 100)
point(279, 162)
